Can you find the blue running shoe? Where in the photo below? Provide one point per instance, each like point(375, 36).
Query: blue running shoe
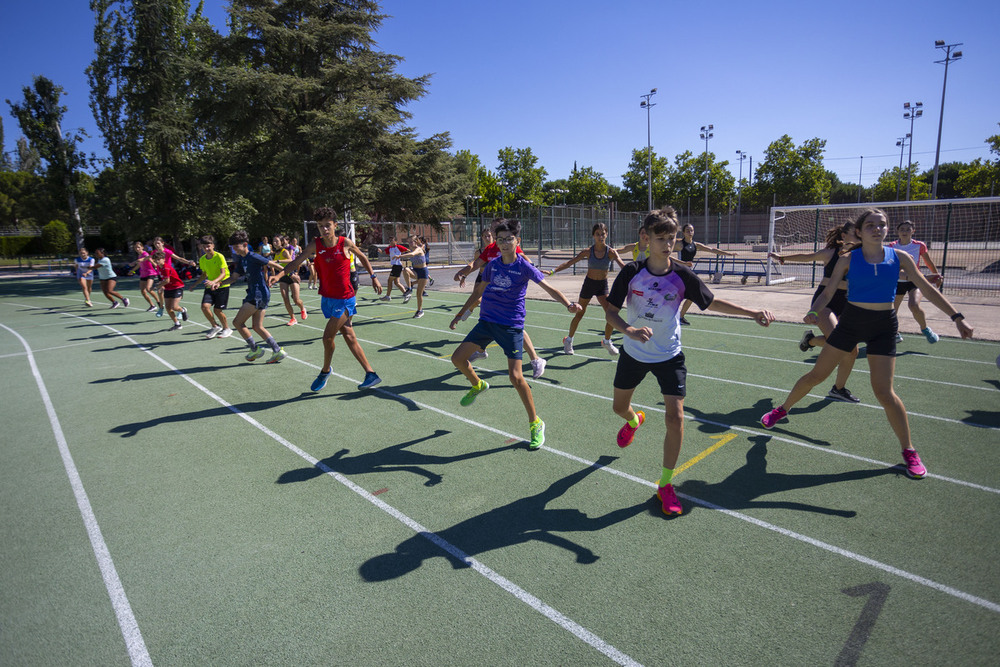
point(371, 379)
point(320, 381)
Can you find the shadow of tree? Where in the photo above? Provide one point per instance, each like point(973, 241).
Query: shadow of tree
point(521, 521)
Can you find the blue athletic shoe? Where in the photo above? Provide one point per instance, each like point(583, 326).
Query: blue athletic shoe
point(371, 379)
point(320, 381)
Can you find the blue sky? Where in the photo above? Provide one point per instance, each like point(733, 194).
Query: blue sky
point(565, 78)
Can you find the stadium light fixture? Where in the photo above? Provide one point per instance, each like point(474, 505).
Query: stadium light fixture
point(649, 146)
point(949, 57)
point(911, 112)
point(706, 134)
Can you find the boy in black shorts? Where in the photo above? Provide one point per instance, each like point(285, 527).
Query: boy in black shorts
point(215, 299)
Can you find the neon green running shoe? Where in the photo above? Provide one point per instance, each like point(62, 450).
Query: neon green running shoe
point(470, 397)
point(254, 355)
point(537, 434)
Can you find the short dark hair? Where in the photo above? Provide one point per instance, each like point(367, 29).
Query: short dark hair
point(206, 239)
point(159, 254)
point(906, 222)
point(324, 213)
point(661, 221)
point(238, 237)
point(506, 225)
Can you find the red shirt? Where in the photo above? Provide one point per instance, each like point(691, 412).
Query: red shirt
point(333, 267)
point(492, 251)
point(170, 278)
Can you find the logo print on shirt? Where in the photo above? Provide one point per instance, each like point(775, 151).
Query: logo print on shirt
point(501, 280)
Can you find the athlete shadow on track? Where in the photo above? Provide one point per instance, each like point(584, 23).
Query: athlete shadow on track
point(746, 484)
point(156, 375)
point(129, 430)
point(521, 521)
point(982, 418)
point(427, 347)
point(398, 392)
point(751, 417)
point(395, 458)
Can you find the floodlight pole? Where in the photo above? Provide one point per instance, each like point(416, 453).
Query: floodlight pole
point(706, 134)
point(901, 142)
point(739, 195)
point(948, 57)
point(649, 146)
point(912, 113)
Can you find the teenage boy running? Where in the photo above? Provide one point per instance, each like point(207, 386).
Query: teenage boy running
point(652, 291)
point(254, 307)
point(215, 270)
point(332, 260)
point(501, 319)
point(173, 289)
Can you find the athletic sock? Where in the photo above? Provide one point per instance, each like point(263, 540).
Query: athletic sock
point(634, 422)
point(273, 343)
point(668, 474)
point(251, 344)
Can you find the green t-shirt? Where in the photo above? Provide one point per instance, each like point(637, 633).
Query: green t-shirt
point(214, 267)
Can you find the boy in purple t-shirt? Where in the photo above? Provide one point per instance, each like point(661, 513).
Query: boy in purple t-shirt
point(501, 319)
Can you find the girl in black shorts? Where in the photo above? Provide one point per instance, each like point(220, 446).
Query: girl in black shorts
point(838, 239)
point(599, 257)
point(872, 271)
point(688, 248)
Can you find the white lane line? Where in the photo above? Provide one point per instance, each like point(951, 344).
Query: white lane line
point(119, 601)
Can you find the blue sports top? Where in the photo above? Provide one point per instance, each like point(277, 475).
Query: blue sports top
point(506, 286)
point(599, 263)
point(252, 266)
point(873, 283)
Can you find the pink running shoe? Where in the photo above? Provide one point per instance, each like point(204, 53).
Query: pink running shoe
point(773, 417)
point(914, 468)
point(627, 432)
point(671, 505)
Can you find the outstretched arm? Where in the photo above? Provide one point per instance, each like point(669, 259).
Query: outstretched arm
point(762, 317)
point(932, 295)
point(565, 265)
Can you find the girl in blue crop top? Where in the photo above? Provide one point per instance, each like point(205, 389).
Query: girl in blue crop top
point(869, 317)
point(599, 257)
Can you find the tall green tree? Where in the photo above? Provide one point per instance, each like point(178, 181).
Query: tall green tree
point(518, 169)
point(6, 164)
point(793, 175)
point(684, 183)
point(981, 178)
point(306, 108)
point(586, 186)
point(634, 180)
point(893, 181)
point(40, 117)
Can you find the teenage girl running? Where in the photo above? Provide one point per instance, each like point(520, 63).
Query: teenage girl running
point(688, 248)
point(905, 287)
point(418, 260)
point(85, 274)
point(838, 239)
point(595, 284)
point(869, 317)
point(289, 284)
point(147, 276)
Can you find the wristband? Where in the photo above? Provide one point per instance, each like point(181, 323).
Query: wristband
point(957, 316)
point(813, 312)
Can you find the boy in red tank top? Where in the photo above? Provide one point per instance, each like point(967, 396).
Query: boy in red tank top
point(330, 255)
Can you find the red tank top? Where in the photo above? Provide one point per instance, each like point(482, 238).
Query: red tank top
point(334, 270)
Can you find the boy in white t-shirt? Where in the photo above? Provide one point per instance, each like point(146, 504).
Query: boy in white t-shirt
point(652, 290)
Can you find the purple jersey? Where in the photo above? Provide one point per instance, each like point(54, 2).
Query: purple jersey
point(506, 285)
point(654, 301)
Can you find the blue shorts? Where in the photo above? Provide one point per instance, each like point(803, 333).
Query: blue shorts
point(509, 338)
point(335, 308)
point(259, 298)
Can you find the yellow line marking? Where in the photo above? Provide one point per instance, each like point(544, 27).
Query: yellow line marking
point(722, 439)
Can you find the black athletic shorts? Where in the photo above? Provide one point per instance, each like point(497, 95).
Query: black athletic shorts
point(877, 328)
point(396, 270)
point(218, 298)
point(837, 302)
point(904, 287)
point(592, 287)
point(671, 374)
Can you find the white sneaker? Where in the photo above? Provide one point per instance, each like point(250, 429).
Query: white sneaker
point(213, 332)
point(477, 355)
point(406, 297)
point(386, 298)
point(417, 315)
point(537, 368)
point(568, 345)
point(609, 346)
point(225, 333)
